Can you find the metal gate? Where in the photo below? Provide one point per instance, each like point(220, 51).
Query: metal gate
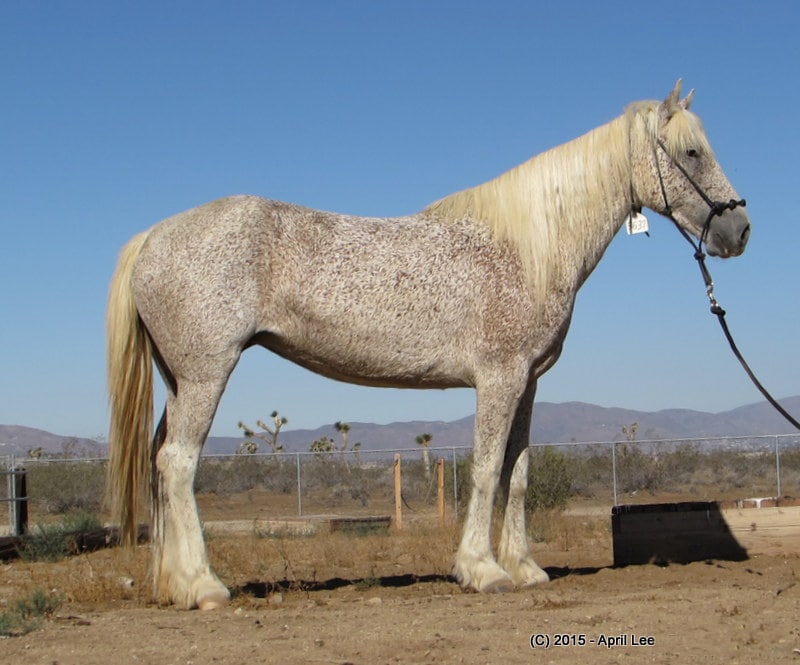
point(17, 499)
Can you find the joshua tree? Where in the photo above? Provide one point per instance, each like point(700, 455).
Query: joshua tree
point(269, 435)
point(630, 431)
point(323, 445)
point(424, 440)
point(248, 447)
point(343, 429)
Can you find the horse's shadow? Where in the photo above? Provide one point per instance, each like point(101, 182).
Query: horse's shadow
point(259, 589)
point(266, 589)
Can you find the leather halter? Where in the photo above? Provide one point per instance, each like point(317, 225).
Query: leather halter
point(715, 207)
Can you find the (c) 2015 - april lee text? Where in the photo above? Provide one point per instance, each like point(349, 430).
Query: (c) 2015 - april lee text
point(547, 640)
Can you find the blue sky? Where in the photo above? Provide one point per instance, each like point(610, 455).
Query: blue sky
point(116, 115)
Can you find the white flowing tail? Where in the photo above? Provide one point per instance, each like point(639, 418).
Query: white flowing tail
point(130, 386)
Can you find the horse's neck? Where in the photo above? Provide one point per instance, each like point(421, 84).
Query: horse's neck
point(559, 210)
point(578, 196)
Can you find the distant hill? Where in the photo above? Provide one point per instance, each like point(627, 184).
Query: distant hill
point(563, 423)
point(19, 441)
point(552, 423)
point(576, 421)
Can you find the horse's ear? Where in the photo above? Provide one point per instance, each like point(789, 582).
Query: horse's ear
point(671, 103)
point(687, 101)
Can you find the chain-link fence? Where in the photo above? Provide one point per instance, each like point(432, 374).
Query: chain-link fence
point(353, 482)
point(362, 483)
point(700, 469)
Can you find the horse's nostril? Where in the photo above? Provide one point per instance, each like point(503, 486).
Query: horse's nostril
point(745, 234)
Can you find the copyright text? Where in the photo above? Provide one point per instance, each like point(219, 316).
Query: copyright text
point(554, 640)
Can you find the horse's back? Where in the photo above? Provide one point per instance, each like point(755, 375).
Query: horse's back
point(401, 301)
point(222, 227)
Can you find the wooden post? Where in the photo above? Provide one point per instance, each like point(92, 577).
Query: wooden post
point(398, 497)
point(440, 489)
point(299, 488)
point(12, 514)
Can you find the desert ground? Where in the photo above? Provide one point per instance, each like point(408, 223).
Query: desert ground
point(387, 597)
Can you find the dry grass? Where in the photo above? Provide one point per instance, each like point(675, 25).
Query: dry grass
point(299, 564)
point(107, 576)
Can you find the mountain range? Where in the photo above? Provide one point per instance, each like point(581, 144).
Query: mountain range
point(552, 423)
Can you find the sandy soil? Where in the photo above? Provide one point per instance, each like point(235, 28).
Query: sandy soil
point(387, 598)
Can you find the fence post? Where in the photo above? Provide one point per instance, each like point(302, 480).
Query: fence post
point(778, 466)
point(455, 486)
point(12, 518)
point(18, 500)
point(299, 491)
point(440, 490)
point(398, 498)
point(614, 469)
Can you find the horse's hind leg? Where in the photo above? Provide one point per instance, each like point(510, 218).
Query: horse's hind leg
point(514, 554)
point(183, 573)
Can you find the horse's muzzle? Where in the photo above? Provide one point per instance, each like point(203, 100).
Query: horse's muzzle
point(728, 234)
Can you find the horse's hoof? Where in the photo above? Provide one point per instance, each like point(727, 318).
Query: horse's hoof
point(213, 599)
point(211, 603)
point(534, 580)
point(529, 574)
point(501, 585)
point(524, 571)
point(482, 574)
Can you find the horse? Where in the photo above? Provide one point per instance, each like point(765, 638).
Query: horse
point(476, 290)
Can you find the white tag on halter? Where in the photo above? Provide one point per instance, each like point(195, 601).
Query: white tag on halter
point(636, 222)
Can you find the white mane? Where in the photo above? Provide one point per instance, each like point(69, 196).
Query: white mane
point(557, 198)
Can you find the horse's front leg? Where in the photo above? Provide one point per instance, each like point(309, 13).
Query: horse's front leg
point(182, 572)
point(475, 566)
point(514, 553)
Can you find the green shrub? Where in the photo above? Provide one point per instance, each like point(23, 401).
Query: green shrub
point(232, 475)
point(63, 486)
point(52, 542)
point(463, 479)
point(549, 479)
point(46, 542)
point(80, 521)
point(591, 471)
point(26, 614)
point(637, 470)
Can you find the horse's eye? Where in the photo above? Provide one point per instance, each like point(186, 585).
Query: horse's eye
point(691, 152)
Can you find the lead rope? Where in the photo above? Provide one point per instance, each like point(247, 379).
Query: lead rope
point(716, 208)
point(719, 312)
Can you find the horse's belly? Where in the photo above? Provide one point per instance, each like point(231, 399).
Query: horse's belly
point(370, 359)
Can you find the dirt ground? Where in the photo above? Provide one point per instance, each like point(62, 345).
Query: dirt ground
point(388, 598)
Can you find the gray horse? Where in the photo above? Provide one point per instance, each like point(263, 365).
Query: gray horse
point(475, 290)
